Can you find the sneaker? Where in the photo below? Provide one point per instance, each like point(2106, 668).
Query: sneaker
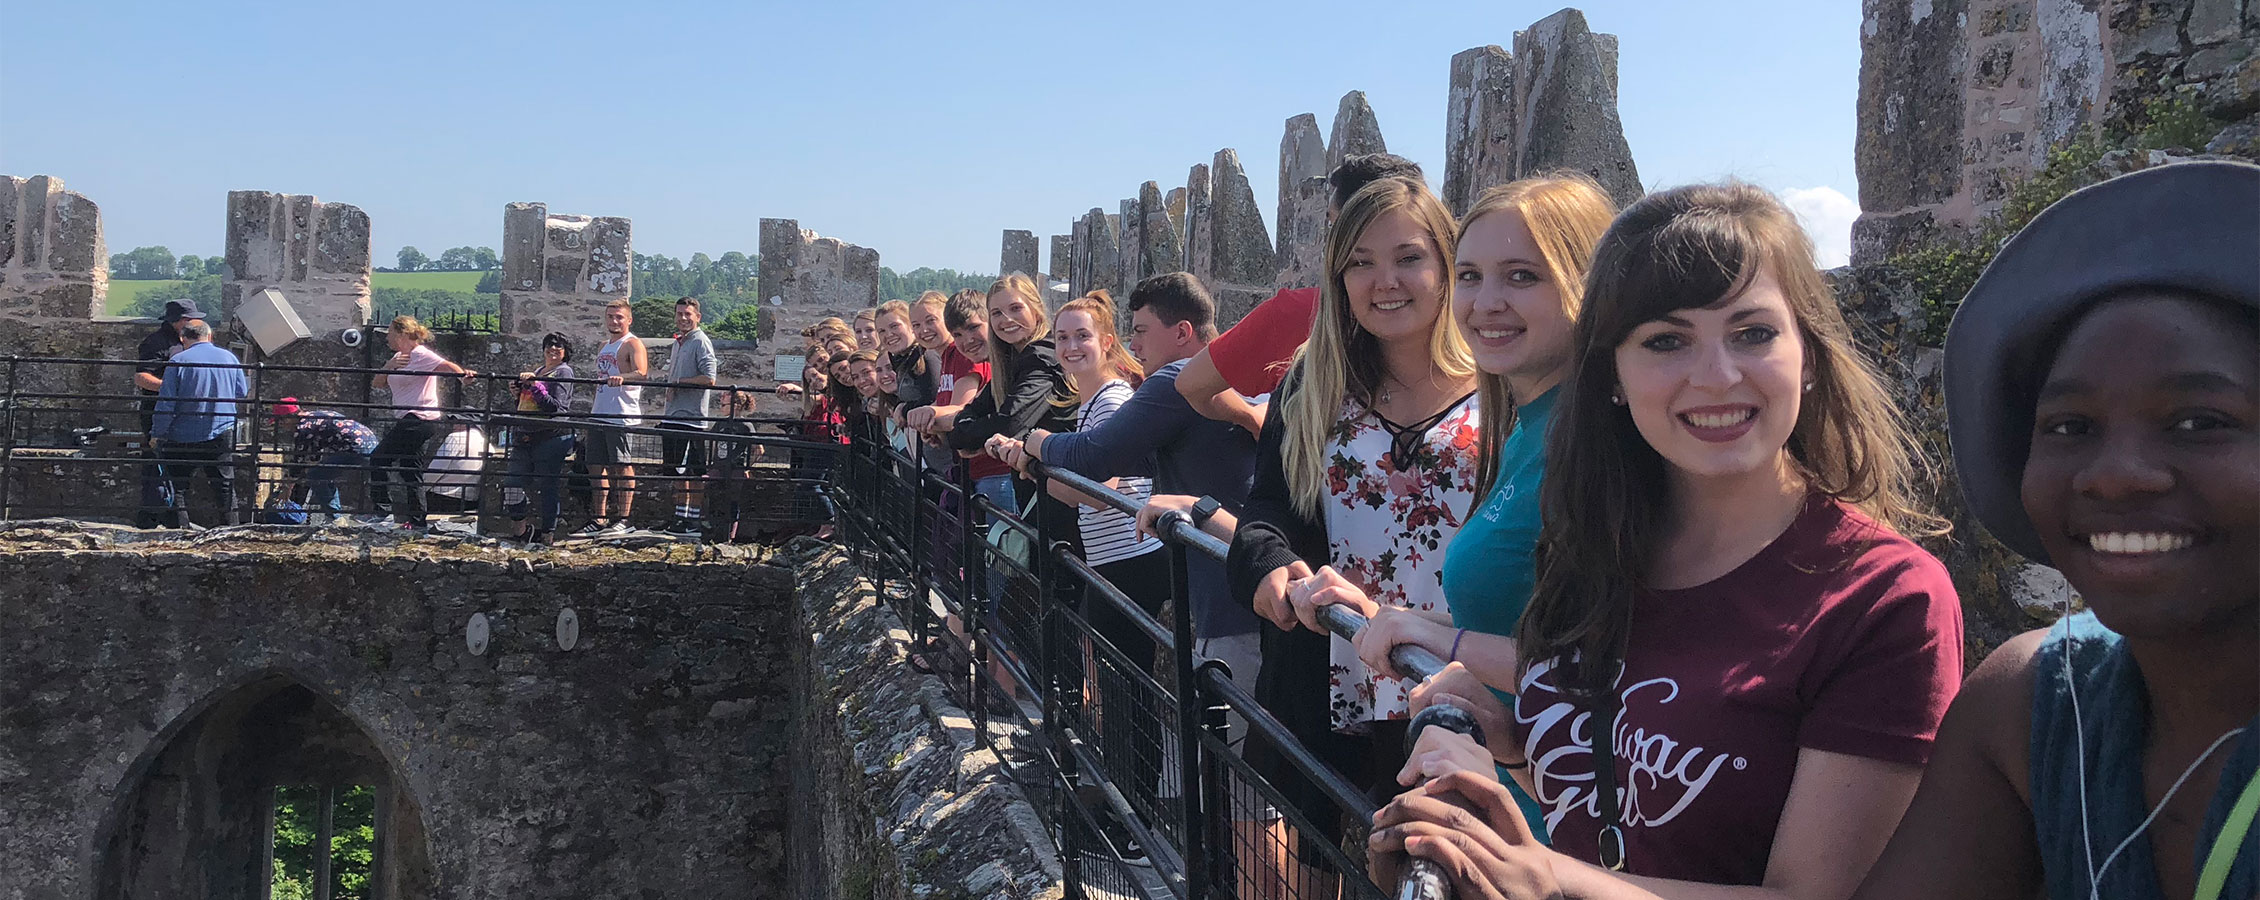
point(592, 529)
point(618, 528)
point(685, 528)
point(539, 538)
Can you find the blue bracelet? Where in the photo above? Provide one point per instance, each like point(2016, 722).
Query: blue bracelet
point(1455, 657)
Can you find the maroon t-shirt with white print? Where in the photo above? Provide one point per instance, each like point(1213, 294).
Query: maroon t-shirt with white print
point(1840, 636)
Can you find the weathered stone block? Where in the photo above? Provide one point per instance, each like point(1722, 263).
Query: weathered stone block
point(1158, 252)
point(1062, 251)
point(1480, 149)
point(1565, 76)
point(1356, 131)
point(53, 262)
point(522, 239)
point(559, 271)
point(2212, 21)
point(1913, 56)
point(1019, 254)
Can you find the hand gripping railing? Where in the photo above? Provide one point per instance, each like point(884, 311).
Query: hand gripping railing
point(1423, 879)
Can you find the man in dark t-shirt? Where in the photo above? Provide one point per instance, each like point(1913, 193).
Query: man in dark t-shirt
point(156, 349)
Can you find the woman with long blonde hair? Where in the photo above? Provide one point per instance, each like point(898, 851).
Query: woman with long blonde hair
point(1365, 469)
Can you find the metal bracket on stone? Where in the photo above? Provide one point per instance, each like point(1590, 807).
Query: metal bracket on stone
point(568, 628)
point(475, 633)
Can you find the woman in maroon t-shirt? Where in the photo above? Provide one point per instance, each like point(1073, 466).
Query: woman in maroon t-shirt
point(1719, 582)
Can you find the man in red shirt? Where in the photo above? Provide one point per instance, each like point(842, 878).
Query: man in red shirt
point(1249, 359)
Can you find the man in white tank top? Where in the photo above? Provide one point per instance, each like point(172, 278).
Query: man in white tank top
point(618, 403)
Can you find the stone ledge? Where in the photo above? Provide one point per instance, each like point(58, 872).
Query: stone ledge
point(917, 807)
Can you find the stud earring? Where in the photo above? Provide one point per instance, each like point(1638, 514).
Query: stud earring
point(1808, 387)
point(1617, 399)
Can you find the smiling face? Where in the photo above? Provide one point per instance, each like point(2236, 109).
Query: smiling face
point(973, 341)
point(1081, 348)
point(1717, 391)
point(1395, 279)
point(1508, 305)
point(926, 327)
point(867, 333)
point(883, 377)
point(814, 380)
point(2143, 478)
point(1012, 319)
point(894, 333)
point(617, 319)
point(686, 318)
point(839, 372)
point(860, 375)
point(552, 355)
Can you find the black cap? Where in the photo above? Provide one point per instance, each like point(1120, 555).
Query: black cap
point(2191, 226)
point(184, 308)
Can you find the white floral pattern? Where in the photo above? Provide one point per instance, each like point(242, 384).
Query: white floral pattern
point(1386, 532)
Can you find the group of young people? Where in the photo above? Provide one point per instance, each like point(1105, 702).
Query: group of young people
point(1630, 475)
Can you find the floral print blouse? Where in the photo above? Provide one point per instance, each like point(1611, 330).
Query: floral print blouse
point(1395, 497)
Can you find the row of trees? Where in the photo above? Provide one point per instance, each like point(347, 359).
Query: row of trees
point(147, 263)
point(453, 259)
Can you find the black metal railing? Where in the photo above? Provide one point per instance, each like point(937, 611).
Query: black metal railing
point(1111, 744)
point(75, 443)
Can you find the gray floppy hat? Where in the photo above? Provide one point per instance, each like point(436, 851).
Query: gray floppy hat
point(2191, 226)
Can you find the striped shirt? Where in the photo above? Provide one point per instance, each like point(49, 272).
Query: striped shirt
point(1108, 535)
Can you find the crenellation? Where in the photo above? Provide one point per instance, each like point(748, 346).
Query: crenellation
point(315, 254)
point(559, 271)
point(53, 263)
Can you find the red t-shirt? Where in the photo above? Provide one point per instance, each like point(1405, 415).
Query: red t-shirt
point(823, 423)
point(1253, 355)
point(954, 366)
point(1840, 636)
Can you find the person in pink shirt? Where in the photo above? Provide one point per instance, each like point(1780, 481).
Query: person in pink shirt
point(396, 470)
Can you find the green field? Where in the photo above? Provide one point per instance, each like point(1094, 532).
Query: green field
point(122, 293)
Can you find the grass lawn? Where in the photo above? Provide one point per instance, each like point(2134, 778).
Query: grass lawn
point(122, 293)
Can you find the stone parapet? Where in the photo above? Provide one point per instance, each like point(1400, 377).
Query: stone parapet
point(812, 276)
point(1019, 254)
point(53, 264)
point(559, 271)
point(316, 254)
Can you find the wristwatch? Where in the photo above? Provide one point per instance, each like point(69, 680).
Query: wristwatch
point(1204, 508)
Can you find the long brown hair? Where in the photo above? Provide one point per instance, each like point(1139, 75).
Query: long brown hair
point(1099, 305)
point(1341, 362)
point(1606, 498)
point(1566, 213)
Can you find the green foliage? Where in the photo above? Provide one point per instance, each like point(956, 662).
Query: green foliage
point(742, 324)
point(2168, 121)
point(143, 262)
point(1944, 270)
point(922, 279)
point(412, 259)
point(148, 298)
point(297, 839)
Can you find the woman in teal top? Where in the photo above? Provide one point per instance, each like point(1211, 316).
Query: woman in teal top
point(1518, 278)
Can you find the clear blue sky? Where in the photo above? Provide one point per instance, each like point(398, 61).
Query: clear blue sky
point(920, 129)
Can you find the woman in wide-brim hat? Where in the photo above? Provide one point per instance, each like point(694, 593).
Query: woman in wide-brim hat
point(2103, 399)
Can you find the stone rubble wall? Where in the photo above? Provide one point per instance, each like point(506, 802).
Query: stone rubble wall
point(654, 756)
point(907, 802)
point(315, 254)
point(813, 277)
point(1019, 256)
point(1961, 99)
point(53, 263)
point(559, 271)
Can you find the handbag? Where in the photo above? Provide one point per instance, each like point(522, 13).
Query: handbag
point(1012, 543)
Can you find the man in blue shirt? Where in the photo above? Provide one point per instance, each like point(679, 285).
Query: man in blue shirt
point(194, 422)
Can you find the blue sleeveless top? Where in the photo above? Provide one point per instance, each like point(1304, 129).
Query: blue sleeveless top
point(2115, 712)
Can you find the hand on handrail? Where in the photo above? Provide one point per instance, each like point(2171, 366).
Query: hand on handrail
point(1465, 821)
point(1327, 587)
point(1271, 594)
point(1388, 626)
point(1456, 686)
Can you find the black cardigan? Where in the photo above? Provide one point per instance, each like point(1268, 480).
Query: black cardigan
point(1012, 410)
point(1272, 533)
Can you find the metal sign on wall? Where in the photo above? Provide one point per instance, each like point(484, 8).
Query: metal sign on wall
point(789, 366)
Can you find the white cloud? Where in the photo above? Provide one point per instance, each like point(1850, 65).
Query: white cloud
point(1827, 216)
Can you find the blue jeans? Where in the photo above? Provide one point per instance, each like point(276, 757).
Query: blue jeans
point(537, 467)
point(999, 490)
point(326, 478)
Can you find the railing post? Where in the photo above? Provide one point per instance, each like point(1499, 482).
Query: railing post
point(258, 459)
point(8, 442)
point(975, 603)
point(1188, 724)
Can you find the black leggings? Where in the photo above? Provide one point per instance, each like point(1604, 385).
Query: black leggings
point(1131, 729)
point(397, 468)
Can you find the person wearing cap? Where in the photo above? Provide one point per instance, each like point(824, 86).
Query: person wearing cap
point(2103, 403)
point(193, 424)
point(157, 347)
point(326, 446)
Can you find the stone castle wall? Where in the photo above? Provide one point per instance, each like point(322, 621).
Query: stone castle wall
point(315, 254)
point(559, 271)
point(53, 264)
point(812, 277)
point(1960, 99)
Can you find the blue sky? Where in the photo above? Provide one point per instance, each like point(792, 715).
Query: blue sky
point(919, 129)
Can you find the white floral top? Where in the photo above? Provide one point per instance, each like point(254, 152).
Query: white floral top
point(1394, 499)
